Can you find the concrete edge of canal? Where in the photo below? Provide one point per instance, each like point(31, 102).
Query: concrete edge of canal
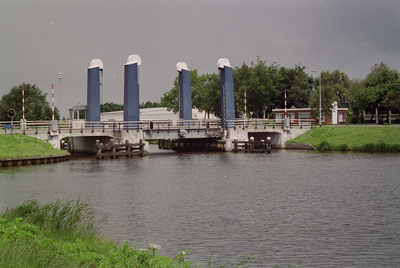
point(299, 146)
point(7, 162)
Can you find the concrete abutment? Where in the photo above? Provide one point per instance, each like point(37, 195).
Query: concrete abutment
point(279, 137)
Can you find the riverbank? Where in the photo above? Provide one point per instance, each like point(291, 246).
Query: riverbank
point(64, 234)
point(352, 138)
point(18, 146)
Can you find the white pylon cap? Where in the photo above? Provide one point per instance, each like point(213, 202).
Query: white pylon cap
point(135, 58)
point(222, 62)
point(96, 63)
point(181, 65)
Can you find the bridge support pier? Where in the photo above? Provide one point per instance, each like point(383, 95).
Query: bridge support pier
point(227, 94)
point(93, 90)
point(185, 92)
point(131, 91)
point(85, 144)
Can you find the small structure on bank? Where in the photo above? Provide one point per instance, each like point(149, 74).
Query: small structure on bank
point(337, 116)
point(77, 112)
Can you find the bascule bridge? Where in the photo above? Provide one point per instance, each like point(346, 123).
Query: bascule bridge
point(186, 133)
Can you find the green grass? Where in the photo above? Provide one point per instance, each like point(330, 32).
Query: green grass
point(64, 234)
point(153, 141)
point(352, 138)
point(20, 146)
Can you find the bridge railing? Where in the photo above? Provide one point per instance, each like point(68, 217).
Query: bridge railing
point(28, 126)
point(168, 125)
point(274, 123)
point(35, 127)
point(73, 126)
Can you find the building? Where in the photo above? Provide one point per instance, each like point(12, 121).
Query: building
point(337, 116)
point(382, 115)
point(78, 112)
point(159, 113)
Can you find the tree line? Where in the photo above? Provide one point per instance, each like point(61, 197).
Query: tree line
point(36, 105)
point(111, 106)
point(265, 86)
point(38, 108)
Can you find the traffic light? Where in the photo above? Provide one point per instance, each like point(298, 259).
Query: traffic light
point(207, 125)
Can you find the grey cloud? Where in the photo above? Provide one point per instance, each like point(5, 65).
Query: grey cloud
point(41, 38)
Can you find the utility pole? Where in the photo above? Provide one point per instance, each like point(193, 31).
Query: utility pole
point(320, 109)
point(60, 77)
point(320, 117)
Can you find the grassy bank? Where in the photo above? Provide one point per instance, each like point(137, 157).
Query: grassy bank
point(64, 234)
point(354, 138)
point(20, 146)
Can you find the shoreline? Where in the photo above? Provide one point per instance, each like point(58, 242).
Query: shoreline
point(35, 160)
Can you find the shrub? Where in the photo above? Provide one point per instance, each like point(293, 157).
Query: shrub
point(368, 147)
point(324, 146)
point(395, 147)
point(343, 147)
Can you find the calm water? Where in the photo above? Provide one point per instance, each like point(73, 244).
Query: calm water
point(318, 209)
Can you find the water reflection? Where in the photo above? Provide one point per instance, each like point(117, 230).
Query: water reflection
point(324, 209)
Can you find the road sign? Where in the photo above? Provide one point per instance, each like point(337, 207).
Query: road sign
point(11, 113)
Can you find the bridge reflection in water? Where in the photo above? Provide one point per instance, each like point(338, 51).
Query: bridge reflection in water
point(81, 135)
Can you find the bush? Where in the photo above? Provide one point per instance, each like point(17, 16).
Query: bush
point(395, 147)
point(343, 147)
point(324, 146)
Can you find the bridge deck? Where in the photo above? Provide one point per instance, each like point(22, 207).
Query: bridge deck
point(83, 135)
point(153, 129)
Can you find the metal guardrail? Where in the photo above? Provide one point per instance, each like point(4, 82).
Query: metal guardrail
point(73, 126)
point(274, 123)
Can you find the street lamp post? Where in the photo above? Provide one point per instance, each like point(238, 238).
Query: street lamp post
point(320, 116)
point(60, 109)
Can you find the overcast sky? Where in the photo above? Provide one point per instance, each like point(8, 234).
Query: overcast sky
point(39, 39)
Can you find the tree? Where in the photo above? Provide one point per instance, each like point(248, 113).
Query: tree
point(382, 84)
point(149, 104)
point(380, 88)
point(207, 94)
point(358, 99)
point(265, 86)
point(36, 106)
point(334, 86)
point(261, 83)
point(298, 85)
point(111, 107)
point(204, 90)
point(393, 96)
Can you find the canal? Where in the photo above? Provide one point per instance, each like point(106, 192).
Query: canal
point(306, 208)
